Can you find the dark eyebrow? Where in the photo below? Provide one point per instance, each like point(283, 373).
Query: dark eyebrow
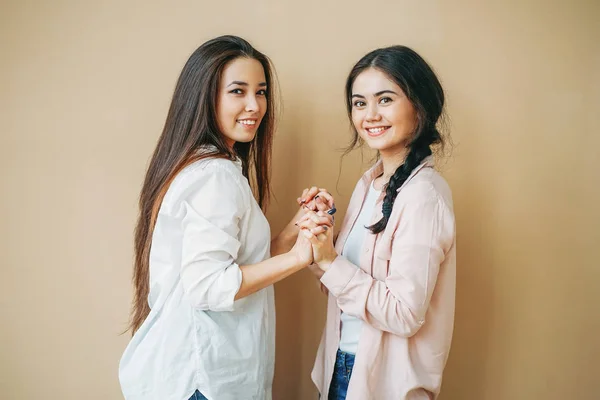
point(376, 94)
point(385, 91)
point(241, 83)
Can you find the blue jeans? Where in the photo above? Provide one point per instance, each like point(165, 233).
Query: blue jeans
point(197, 396)
point(344, 362)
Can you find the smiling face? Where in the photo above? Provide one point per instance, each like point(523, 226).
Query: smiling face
point(381, 113)
point(242, 100)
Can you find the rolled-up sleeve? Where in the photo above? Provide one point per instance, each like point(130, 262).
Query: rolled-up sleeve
point(424, 234)
point(212, 208)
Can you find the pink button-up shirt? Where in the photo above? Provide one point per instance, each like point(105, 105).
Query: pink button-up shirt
point(403, 290)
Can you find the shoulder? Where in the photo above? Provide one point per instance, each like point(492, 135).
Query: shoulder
point(211, 166)
point(427, 185)
point(424, 205)
point(206, 176)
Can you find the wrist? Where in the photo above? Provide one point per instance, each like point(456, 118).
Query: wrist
point(297, 261)
point(325, 264)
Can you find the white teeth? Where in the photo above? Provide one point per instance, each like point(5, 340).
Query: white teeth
point(376, 130)
point(247, 122)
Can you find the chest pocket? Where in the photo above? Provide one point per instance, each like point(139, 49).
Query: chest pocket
point(382, 256)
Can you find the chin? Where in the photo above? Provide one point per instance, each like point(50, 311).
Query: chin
point(243, 138)
point(246, 138)
point(377, 144)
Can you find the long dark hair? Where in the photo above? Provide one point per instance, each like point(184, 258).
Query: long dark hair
point(191, 124)
point(423, 89)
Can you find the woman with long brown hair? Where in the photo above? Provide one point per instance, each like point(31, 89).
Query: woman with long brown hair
point(203, 315)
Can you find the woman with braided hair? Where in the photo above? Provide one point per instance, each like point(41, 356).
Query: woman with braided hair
point(391, 274)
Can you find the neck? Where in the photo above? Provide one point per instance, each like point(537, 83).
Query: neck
point(230, 143)
point(391, 160)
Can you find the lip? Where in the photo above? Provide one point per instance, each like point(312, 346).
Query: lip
point(376, 134)
point(248, 126)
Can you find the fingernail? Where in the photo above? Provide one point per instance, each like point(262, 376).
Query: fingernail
point(331, 211)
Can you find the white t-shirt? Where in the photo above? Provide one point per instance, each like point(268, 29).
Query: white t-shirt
point(351, 326)
point(196, 337)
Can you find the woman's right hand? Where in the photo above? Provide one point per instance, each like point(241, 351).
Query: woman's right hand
point(302, 250)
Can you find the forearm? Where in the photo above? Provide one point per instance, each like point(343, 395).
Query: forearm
point(284, 242)
point(258, 276)
point(374, 301)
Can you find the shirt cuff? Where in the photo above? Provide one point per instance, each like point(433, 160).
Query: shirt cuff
point(232, 281)
point(340, 273)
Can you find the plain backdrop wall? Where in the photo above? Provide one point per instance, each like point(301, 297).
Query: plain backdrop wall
point(84, 90)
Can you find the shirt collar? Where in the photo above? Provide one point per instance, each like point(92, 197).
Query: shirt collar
point(377, 170)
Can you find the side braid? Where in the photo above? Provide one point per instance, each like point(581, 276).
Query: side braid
point(413, 159)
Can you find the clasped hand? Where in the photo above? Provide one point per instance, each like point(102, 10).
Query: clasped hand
point(316, 224)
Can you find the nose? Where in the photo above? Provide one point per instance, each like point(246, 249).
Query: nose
point(372, 113)
point(252, 104)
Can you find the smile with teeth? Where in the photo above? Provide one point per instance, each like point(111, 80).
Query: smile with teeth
point(377, 130)
point(247, 122)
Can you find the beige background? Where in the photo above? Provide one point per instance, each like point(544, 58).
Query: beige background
point(84, 89)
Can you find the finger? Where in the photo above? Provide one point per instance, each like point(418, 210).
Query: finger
point(312, 238)
point(327, 196)
point(326, 215)
point(307, 224)
point(303, 197)
point(321, 203)
point(308, 234)
point(305, 216)
point(326, 221)
point(310, 194)
point(315, 219)
point(323, 218)
point(318, 220)
point(319, 229)
point(321, 237)
point(311, 205)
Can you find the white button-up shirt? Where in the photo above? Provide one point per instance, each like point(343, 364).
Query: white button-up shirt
point(196, 336)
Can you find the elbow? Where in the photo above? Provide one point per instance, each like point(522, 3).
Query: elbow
point(413, 329)
point(407, 324)
point(405, 330)
point(215, 292)
point(206, 302)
